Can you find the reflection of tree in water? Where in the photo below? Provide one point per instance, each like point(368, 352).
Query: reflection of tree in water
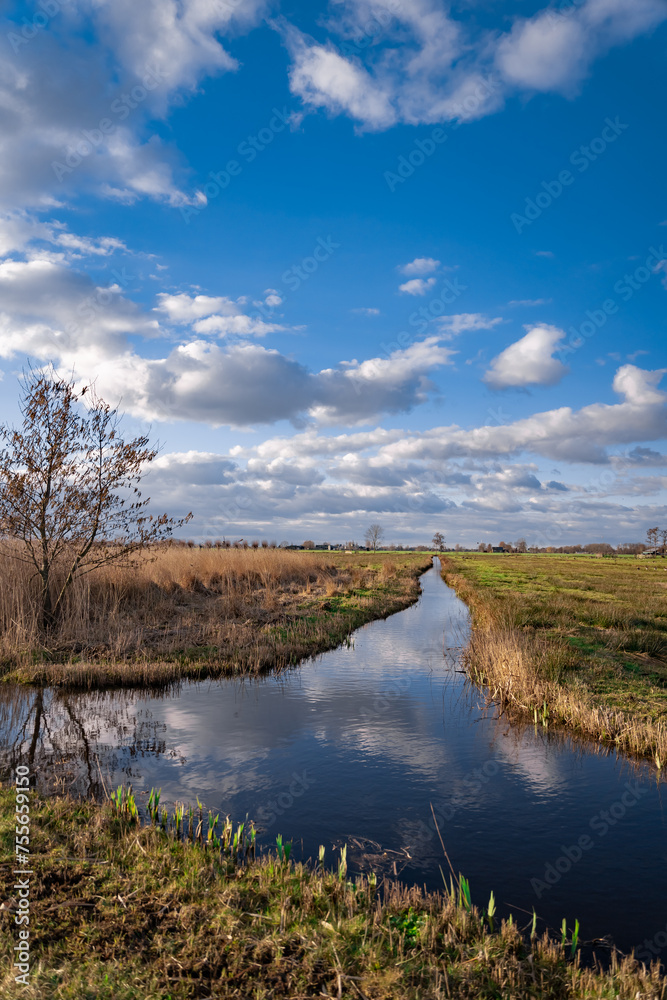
point(70, 740)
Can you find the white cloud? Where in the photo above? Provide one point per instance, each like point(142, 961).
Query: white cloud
point(553, 51)
point(419, 267)
point(417, 286)
point(424, 67)
point(23, 232)
point(273, 298)
point(639, 387)
point(561, 434)
point(246, 385)
point(179, 35)
point(334, 483)
point(88, 67)
point(50, 312)
point(366, 311)
point(184, 308)
point(528, 361)
point(530, 302)
point(210, 314)
point(323, 78)
point(464, 322)
point(241, 326)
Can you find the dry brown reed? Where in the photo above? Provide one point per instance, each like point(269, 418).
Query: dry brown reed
point(173, 609)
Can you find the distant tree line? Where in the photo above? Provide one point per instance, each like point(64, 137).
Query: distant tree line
point(592, 548)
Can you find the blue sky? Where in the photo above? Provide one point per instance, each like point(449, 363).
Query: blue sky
point(400, 261)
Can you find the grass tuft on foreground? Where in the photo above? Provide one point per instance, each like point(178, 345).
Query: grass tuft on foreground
point(177, 613)
point(125, 912)
point(573, 641)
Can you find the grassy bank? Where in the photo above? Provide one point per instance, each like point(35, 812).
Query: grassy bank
point(572, 640)
point(179, 613)
point(123, 912)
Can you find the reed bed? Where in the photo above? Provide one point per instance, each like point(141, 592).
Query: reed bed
point(574, 642)
point(121, 911)
point(178, 611)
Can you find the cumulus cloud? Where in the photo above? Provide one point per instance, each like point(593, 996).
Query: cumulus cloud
point(324, 79)
point(417, 286)
point(528, 361)
point(553, 51)
point(419, 267)
point(180, 35)
point(640, 387)
point(183, 308)
point(465, 322)
point(53, 313)
point(406, 477)
point(424, 67)
point(49, 311)
point(57, 87)
point(218, 315)
point(22, 232)
point(562, 434)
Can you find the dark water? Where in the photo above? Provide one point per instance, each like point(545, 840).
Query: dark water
point(355, 746)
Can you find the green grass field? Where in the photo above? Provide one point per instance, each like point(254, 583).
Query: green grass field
point(596, 627)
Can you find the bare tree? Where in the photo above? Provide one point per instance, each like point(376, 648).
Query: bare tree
point(663, 539)
point(652, 536)
point(438, 541)
point(520, 545)
point(69, 487)
point(374, 536)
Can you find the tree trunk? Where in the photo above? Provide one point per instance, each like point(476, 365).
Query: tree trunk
point(47, 617)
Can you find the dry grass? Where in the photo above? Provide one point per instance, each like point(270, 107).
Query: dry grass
point(120, 912)
point(571, 641)
point(178, 611)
